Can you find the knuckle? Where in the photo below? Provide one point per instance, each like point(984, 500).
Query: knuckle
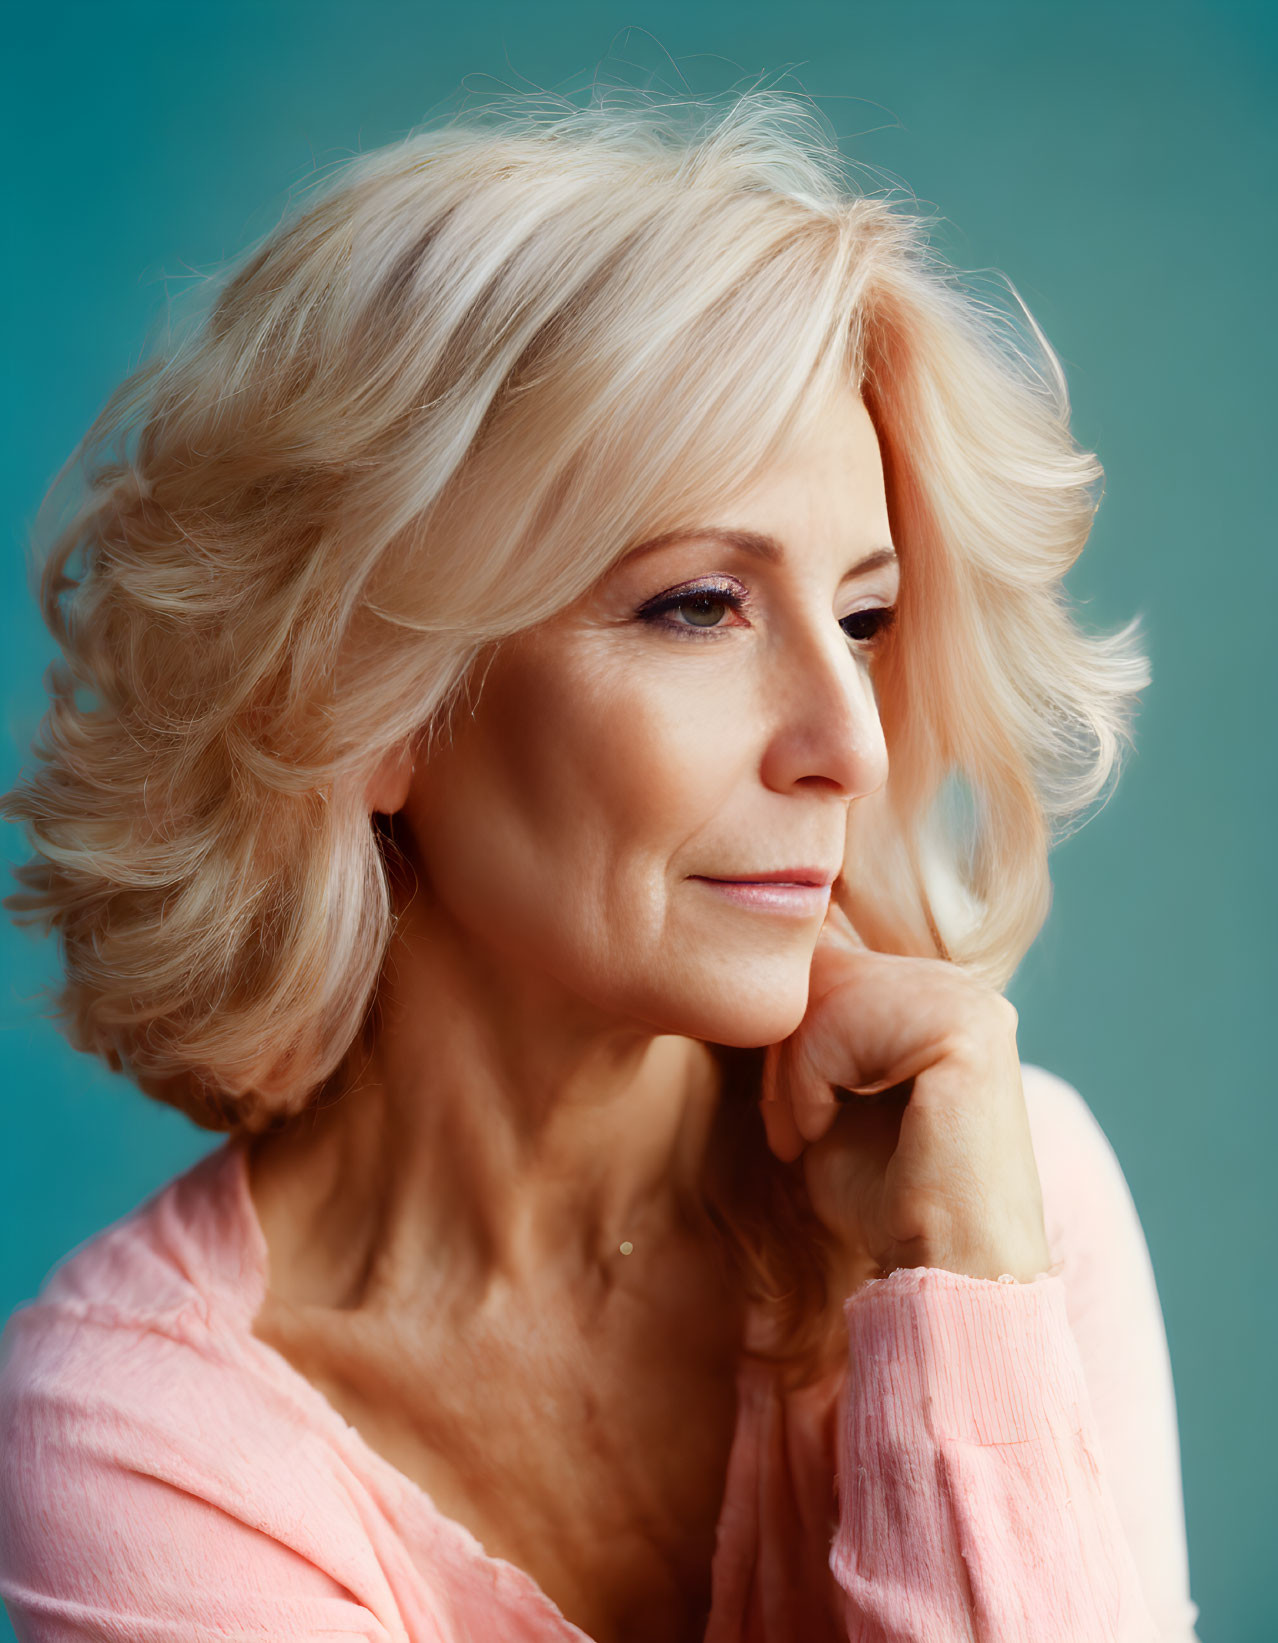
point(1005, 1012)
point(985, 1018)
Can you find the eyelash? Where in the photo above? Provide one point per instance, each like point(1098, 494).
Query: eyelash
point(728, 596)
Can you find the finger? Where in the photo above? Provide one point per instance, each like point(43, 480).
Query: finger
point(777, 1102)
point(877, 1087)
point(879, 1019)
point(807, 1092)
point(812, 1118)
point(804, 1094)
point(782, 1132)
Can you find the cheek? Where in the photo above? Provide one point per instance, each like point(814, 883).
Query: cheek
point(568, 809)
point(560, 828)
point(658, 761)
point(604, 763)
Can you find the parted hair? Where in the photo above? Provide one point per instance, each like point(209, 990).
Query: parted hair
point(457, 380)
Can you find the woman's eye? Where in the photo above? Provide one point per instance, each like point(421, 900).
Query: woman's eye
point(869, 627)
point(704, 610)
point(700, 610)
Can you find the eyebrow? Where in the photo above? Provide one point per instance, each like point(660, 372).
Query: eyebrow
point(757, 543)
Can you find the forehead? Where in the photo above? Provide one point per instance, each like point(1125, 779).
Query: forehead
point(760, 545)
point(824, 489)
point(834, 450)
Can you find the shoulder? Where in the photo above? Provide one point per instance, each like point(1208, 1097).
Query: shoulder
point(104, 1391)
point(1075, 1157)
point(1055, 1105)
point(172, 1260)
point(131, 1332)
point(1092, 1223)
point(1115, 1315)
point(132, 1415)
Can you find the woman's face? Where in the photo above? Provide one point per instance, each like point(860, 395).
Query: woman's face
point(704, 713)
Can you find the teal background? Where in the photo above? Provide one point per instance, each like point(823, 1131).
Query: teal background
point(1116, 161)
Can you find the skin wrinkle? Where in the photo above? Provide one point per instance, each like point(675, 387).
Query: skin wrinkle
point(444, 1234)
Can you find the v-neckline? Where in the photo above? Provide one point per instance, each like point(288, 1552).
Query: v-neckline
point(255, 1253)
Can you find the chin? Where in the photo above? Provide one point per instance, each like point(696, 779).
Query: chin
point(755, 1031)
point(748, 1018)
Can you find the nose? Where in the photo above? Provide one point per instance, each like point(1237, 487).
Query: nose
point(825, 725)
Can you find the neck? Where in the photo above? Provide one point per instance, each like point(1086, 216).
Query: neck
point(496, 1129)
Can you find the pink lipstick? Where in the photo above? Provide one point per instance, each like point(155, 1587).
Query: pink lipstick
point(799, 891)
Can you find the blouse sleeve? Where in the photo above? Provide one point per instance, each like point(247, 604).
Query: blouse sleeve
point(113, 1528)
point(1008, 1455)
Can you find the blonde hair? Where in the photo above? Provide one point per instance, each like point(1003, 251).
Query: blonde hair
point(441, 398)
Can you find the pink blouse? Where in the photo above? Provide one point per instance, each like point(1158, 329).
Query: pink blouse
point(1000, 1461)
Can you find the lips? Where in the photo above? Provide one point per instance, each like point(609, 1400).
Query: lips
point(816, 877)
point(782, 894)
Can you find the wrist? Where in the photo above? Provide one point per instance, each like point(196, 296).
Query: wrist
point(1022, 1261)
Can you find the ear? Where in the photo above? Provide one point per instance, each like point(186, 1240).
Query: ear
point(387, 787)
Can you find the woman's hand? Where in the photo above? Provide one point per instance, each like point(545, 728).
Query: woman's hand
point(929, 1161)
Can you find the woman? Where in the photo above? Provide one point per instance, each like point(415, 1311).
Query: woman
point(580, 697)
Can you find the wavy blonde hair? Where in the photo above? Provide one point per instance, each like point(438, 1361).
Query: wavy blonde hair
point(456, 382)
